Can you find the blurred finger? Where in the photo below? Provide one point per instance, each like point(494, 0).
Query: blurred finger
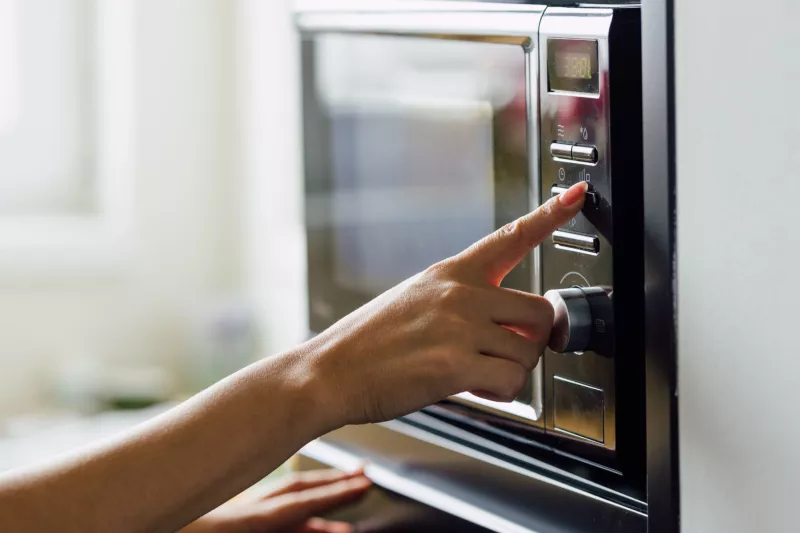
point(495, 255)
point(319, 525)
point(314, 478)
point(296, 507)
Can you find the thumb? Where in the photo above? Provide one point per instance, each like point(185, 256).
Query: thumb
point(494, 256)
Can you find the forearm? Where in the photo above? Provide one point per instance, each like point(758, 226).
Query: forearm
point(446, 330)
point(166, 473)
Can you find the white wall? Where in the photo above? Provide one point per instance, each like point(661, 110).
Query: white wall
point(271, 155)
point(188, 243)
point(738, 180)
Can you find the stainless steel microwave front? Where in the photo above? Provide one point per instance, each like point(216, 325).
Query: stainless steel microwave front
point(375, 39)
point(592, 268)
point(575, 146)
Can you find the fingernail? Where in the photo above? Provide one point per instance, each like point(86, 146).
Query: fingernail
point(573, 194)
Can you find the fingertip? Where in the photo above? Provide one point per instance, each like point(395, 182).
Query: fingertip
point(360, 483)
point(574, 194)
point(487, 396)
point(362, 468)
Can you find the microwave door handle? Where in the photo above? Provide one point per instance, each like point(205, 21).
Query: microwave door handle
point(532, 80)
point(537, 388)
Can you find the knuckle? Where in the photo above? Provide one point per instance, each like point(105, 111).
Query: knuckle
point(544, 310)
point(439, 269)
point(537, 349)
point(548, 208)
point(547, 310)
point(459, 333)
point(469, 338)
point(543, 316)
point(515, 383)
point(515, 232)
point(455, 293)
point(541, 346)
point(531, 358)
point(445, 363)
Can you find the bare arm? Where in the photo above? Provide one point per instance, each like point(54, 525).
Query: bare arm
point(447, 330)
point(169, 471)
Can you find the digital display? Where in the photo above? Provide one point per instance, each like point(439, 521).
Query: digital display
point(572, 66)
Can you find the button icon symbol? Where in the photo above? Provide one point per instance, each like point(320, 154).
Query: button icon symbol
point(562, 174)
point(584, 132)
point(584, 176)
point(600, 325)
point(560, 130)
point(573, 222)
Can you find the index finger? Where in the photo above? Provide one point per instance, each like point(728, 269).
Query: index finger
point(495, 255)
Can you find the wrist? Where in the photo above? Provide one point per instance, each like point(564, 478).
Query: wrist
point(314, 400)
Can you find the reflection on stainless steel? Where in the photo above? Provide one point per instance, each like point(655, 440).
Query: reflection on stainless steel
point(413, 163)
point(432, 142)
point(410, 488)
point(562, 150)
point(526, 407)
point(581, 320)
point(383, 511)
point(579, 119)
point(576, 242)
point(587, 154)
point(427, 125)
point(511, 23)
point(572, 322)
point(461, 479)
point(579, 409)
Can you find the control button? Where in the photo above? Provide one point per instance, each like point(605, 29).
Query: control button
point(562, 150)
point(587, 154)
point(576, 242)
point(578, 409)
point(572, 320)
point(578, 312)
point(591, 196)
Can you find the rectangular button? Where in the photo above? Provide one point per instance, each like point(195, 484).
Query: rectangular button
point(578, 409)
point(562, 150)
point(584, 153)
point(576, 242)
point(591, 196)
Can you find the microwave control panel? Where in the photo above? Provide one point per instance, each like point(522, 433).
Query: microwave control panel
point(586, 265)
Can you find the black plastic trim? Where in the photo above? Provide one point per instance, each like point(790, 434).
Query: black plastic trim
point(660, 271)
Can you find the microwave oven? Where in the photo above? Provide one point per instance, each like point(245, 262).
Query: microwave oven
point(427, 125)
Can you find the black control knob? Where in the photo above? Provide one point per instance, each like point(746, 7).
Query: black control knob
point(582, 320)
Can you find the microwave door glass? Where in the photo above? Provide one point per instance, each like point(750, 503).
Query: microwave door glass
point(414, 128)
point(412, 185)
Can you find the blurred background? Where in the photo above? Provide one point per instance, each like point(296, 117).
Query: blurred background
point(149, 163)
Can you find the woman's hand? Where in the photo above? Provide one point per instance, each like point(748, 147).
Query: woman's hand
point(444, 331)
point(290, 508)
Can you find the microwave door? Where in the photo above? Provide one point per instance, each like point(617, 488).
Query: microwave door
point(420, 140)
